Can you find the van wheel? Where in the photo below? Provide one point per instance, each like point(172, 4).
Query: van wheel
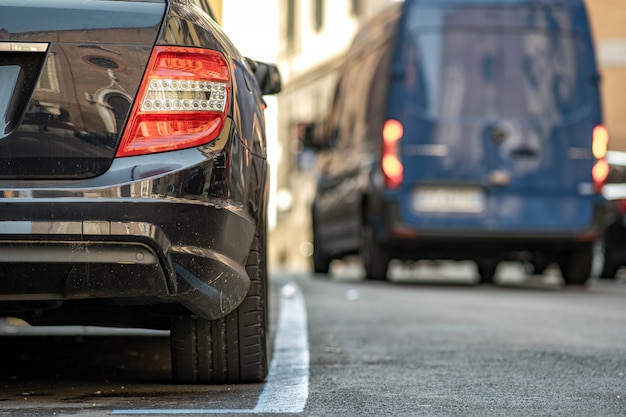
point(576, 265)
point(609, 271)
point(537, 267)
point(232, 349)
point(375, 258)
point(486, 270)
point(603, 262)
point(321, 261)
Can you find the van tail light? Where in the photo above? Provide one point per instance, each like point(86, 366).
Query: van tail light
point(600, 147)
point(621, 206)
point(600, 173)
point(182, 101)
point(392, 166)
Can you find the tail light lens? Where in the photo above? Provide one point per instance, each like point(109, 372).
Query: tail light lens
point(600, 146)
point(393, 169)
point(600, 142)
point(182, 101)
point(600, 173)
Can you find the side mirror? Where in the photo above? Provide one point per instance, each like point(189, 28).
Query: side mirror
point(267, 75)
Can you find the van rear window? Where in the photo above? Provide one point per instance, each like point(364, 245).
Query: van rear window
point(454, 70)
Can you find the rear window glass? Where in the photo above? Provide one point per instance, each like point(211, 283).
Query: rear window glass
point(452, 69)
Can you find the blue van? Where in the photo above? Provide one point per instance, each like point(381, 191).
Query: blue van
point(465, 130)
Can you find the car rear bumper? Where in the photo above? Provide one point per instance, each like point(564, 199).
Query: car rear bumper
point(130, 262)
point(155, 230)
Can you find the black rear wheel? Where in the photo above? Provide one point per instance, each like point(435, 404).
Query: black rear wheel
point(606, 259)
point(232, 349)
point(375, 258)
point(609, 271)
point(576, 264)
point(538, 267)
point(321, 260)
point(486, 270)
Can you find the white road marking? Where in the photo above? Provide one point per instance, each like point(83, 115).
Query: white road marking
point(287, 386)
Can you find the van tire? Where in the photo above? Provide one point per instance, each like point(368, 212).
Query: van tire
point(486, 270)
point(609, 267)
point(375, 258)
point(576, 264)
point(232, 349)
point(609, 271)
point(537, 267)
point(321, 261)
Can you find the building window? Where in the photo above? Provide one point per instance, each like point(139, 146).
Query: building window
point(290, 32)
point(49, 78)
point(318, 14)
point(119, 105)
point(355, 7)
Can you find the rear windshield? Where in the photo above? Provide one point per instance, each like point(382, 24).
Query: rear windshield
point(467, 61)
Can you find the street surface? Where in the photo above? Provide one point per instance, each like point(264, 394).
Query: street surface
point(429, 343)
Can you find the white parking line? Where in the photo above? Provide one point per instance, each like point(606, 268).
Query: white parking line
point(287, 386)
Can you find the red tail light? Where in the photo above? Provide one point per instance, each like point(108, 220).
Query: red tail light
point(392, 166)
point(182, 101)
point(600, 146)
point(599, 173)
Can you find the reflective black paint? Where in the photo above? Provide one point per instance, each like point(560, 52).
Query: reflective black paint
point(70, 121)
point(193, 211)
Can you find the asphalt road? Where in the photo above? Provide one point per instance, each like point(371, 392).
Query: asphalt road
point(429, 343)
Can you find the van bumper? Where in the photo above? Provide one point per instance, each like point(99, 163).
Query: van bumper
point(406, 241)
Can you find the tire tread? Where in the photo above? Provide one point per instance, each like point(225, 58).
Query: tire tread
point(232, 349)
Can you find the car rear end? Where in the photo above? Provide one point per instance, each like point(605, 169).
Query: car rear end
point(132, 168)
point(496, 130)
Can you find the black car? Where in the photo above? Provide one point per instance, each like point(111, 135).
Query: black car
point(134, 178)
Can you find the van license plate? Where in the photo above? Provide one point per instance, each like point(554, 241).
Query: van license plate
point(448, 200)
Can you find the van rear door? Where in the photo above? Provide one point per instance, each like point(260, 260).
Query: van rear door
point(498, 103)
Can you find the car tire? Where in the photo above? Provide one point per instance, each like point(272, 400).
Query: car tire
point(321, 260)
point(608, 268)
point(609, 271)
point(232, 349)
point(486, 271)
point(537, 267)
point(576, 265)
point(375, 258)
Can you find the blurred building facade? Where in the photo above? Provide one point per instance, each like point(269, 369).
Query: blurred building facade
point(313, 36)
point(607, 19)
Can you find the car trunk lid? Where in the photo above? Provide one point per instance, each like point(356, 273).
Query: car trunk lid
point(68, 75)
